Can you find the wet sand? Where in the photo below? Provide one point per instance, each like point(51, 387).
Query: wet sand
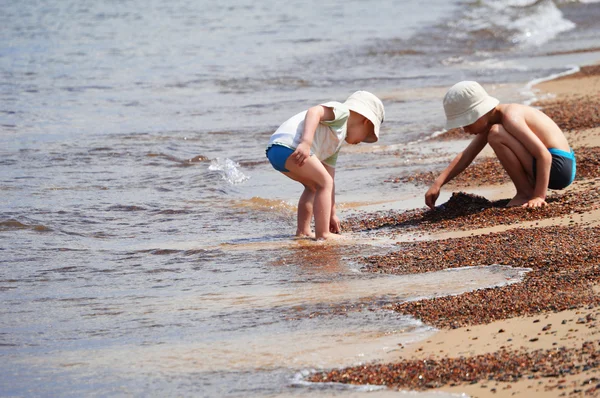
point(535, 338)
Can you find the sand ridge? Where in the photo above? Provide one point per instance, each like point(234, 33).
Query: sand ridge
point(536, 338)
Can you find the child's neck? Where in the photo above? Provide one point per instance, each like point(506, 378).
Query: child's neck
point(495, 115)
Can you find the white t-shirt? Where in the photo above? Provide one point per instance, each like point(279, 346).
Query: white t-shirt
point(329, 135)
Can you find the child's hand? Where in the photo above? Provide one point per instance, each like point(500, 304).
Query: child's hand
point(301, 154)
point(431, 196)
point(334, 224)
point(535, 202)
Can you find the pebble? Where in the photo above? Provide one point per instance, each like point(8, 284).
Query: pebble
point(503, 366)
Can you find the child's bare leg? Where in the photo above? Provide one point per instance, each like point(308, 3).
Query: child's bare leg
point(314, 175)
point(516, 160)
point(305, 212)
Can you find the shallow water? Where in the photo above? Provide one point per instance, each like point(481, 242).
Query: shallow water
point(145, 242)
point(175, 329)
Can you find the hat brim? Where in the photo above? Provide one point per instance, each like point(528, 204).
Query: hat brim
point(473, 114)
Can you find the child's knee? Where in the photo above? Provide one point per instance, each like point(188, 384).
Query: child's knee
point(324, 183)
point(327, 182)
point(496, 133)
point(318, 181)
point(310, 188)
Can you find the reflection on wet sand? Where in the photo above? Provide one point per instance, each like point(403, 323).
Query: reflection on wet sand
point(266, 337)
point(333, 287)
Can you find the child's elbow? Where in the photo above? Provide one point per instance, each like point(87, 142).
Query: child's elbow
point(316, 110)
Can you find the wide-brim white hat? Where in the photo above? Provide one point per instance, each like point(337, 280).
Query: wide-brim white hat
point(466, 102)
point(371, 107)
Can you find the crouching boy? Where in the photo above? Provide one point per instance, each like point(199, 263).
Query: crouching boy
point(530, 146)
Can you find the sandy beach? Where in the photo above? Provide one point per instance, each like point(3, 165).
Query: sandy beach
point(535, 338)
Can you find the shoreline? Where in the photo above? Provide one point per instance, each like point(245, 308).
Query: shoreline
point(535, 338)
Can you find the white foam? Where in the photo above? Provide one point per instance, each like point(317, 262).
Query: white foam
point(494, 64)
point(539, 28)
point(529, 91)
point(230, 170)
point(524, 22)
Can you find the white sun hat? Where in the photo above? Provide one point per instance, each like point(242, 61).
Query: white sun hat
point(371, 107)
point(466, 102)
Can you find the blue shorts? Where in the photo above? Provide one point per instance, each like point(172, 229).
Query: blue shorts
point(277, 155)
point(562, 171)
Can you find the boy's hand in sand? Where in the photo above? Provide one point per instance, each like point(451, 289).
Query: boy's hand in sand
point(334, 224)
point(431, 196)
point(535, 202)
point(301, 154)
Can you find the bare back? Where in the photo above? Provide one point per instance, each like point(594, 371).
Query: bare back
point(539, 123)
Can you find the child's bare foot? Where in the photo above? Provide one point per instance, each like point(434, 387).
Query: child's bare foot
point(305, 235)
point(518, 200)
point(331, 236)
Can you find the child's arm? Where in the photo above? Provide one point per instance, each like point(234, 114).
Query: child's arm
point(313, 117)
point(460, 162)
point(334, 222)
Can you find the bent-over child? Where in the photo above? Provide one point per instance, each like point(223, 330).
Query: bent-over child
point(305, 148)
point(530, 146)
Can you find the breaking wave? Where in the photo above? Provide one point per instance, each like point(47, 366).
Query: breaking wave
point(522, 23)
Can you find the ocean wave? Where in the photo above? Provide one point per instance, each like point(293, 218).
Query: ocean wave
point(522, 23)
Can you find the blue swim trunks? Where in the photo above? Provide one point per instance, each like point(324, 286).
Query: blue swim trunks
point(277, 155)
point(562, 171)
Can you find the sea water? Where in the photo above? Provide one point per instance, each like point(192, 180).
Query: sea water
point(146, 244)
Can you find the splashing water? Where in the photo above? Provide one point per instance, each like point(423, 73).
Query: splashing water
point(230, 170)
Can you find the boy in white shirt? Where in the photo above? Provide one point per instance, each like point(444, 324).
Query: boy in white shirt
point(305, 148)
